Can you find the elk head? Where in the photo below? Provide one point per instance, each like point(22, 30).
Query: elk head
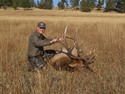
point(69, 58)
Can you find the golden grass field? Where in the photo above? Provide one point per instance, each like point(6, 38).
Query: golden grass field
point(104, 32)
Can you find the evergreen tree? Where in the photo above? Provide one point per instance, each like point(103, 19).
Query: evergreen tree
point(15, 4)
point(92, 3)
point(32, 3)
point(121, 5)
point(26, 4)
point(48, 4)
point(41, 4)
point(110, 5)
point(85, 5)
point(20, 3)
point(1, 3)
point(9, 2)
point(65, 2)
point(45, 4)
point(4, 4)
point(61, 5)
point(100, 3)
point(74, 3)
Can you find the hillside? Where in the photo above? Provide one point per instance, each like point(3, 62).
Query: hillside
point(104, 32)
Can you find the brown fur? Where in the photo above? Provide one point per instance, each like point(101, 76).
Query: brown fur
point(62, 61)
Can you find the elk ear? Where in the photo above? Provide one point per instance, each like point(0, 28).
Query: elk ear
point(73, 64)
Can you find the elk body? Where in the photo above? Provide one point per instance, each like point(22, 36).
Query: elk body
point(69, 58)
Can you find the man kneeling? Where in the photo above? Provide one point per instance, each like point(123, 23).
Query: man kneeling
point(37, 41)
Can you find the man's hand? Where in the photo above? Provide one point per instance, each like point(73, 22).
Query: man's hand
point(54, 40)
point(61, 39)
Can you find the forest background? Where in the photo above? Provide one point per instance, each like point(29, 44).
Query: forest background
point(82, 5)
point(97, 29)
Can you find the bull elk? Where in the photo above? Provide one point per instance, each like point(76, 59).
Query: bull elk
point(69, 58)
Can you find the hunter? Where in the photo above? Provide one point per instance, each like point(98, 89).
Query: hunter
point(37, 41)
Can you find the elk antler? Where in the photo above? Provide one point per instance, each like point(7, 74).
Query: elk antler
point(85, 58)
point(75, 40)
point(64, 44)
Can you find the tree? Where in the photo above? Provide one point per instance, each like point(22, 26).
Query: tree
point(66, 4)
point(20, 3)
point(48, 4)
point(92, 3)
point(61, 5)
point(40, 4)
point(45, 4)
point(110, 5)
point(85, 6)
point(32, 3)
point(15, 4)
point(4, 4)
point(121, 5)
point(26, 4)
point(1, 3)
point(100, 3)
point(74, 3)
point(9, 2)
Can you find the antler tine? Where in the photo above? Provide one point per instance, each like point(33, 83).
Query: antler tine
point(89, 57)
point(81, 45)
point(65, 45)
point(64, 41)
point(65, 34)
point(83, 57)
point(69, 50)
point(77, 46)
point(76, 43)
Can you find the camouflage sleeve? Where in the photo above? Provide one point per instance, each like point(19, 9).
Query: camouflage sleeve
point(39, 43)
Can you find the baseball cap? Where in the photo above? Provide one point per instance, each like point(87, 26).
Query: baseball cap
point(41, 25)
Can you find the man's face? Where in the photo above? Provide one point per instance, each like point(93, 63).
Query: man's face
point(40, 30)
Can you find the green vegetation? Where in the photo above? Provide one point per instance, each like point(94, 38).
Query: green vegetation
point(103, 32)
point(100, 3)
point(83, 5)
point(61, 5)
point(110, 5)
point(74, 3)
point(87, 5)
point(121, 5)
point(15, 3)
point(45, 4)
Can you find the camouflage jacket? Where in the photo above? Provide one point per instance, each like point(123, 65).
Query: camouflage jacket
point(36, 43)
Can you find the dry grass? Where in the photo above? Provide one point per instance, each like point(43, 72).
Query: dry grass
point(104, 32)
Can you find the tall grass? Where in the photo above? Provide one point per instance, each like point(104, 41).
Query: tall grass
point(106, 38)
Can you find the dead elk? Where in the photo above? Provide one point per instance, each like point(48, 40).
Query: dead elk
point(69, 58)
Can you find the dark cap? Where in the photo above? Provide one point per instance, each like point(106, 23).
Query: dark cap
point(41, 25)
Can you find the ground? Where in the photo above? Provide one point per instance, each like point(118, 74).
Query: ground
point(103, 32)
